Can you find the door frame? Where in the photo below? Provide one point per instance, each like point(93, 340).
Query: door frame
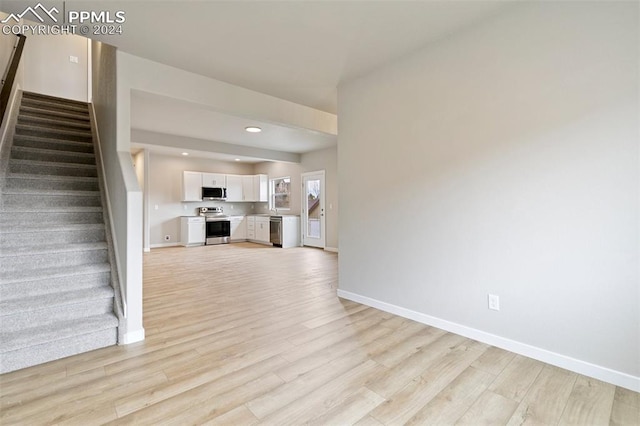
point(304, 214)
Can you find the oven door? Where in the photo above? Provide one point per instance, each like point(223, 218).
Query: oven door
point(218, 231)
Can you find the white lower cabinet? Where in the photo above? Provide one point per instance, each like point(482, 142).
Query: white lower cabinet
point(192, 231)
point(251, 227)
point(262, 229)
point(238, 228)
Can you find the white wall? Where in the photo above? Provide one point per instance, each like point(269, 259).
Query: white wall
point(327, 160)
point(47, 69)
point(123, 191)
point(165, 192)
point(510, 156)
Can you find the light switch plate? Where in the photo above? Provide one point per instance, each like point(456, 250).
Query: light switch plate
point(73, 59)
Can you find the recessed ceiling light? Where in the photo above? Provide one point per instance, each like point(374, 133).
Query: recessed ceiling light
point(237, 159)
point(185, 153)
point(253, 129)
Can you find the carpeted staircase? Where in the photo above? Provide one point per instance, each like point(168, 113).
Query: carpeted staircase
point(56, 298)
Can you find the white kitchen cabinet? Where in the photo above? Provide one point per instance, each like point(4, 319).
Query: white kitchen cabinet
point(262, 229)
point(238, 228)
point(234, 188)
point(192, 230)
point(261, 188)
point(251, 227)
point(248, 191)
point(214, 180)
point(191, 186)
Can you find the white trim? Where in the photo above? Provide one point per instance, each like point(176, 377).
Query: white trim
point(162, 245)
point(331, 249)
point(608, 375)
point(132, 337)
point(146, 250)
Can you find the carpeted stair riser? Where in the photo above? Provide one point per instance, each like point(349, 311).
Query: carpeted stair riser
point(54, 313)
point(61, 348)
point(52, 144)
point(60, 169)
point(73, 216)
point(51, 183)
point(50, 155)
point(55, 114)
point(61, 123)
point(62, 235)
point(49, 98)
point(15, 260)
point(54, 106)
point(72, 135)
point(39, 286)
point(18, 201)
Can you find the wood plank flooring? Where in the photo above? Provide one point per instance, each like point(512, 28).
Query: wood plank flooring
point(244, 334)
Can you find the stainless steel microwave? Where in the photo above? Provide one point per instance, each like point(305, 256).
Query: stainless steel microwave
point(209, 193)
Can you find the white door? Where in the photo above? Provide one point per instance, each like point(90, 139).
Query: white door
point(313, 217)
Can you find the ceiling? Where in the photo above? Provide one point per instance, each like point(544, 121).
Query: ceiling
point(298, 50)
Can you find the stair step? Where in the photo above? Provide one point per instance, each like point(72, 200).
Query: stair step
point(71, 135)
point(67, 115)
point(58, 169)
point(52, 144)
point(54, 106)
point(53, 99)
point(48, 256)
point(51, 155)
point(49, 199)
point(55, 341)
point(60, 215)
point(17, 181)
point(60, 234)
point(57, 280)
point(40, 310)
point(36, 120)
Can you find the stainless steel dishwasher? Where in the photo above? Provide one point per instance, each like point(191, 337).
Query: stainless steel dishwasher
point(275, 230)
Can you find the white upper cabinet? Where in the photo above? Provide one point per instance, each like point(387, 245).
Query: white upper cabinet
point(261, 188)
point(214, 180)
point(234, 188)
point(248, 192)
point(191, 186)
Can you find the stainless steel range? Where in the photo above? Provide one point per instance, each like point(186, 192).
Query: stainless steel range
point(218, 225)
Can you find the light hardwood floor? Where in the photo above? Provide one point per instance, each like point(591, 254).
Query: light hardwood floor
point(244, 334)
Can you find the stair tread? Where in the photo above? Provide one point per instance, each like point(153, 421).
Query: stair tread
point(52, 151)
point(39, 228)
point(49, 140)
point(80, 117)
point(52, 104)
point(51, 248)
point(11, 341)
point(67, 271)
point(34, 95)
point(30, 117)
point(50, 192)
point(74, 209)
point(43, 301)
point(48, 163)
point(51, 177)
point(86, 133)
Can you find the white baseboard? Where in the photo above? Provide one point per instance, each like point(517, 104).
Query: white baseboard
point(132, 337)
point(163, 245)
point(146, 250)
point(332, 249)
point(578, 366)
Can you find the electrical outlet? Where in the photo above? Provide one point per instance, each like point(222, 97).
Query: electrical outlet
point(494, 302)
point(73, 59)
point(167, 237)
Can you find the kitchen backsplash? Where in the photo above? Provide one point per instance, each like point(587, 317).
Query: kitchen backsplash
point(230, 209)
